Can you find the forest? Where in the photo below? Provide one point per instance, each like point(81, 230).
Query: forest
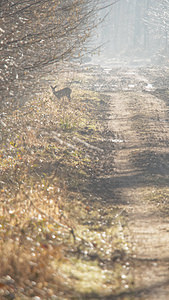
point(35, 34)
point(138, 28)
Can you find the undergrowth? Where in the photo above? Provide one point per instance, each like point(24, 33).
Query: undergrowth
point(34, 215)
point(44, 250)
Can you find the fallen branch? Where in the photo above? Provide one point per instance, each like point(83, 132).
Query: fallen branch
point(63, 142)
point(59, 140)
point(87, 144)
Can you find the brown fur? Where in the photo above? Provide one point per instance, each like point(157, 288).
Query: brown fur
point(62, 93)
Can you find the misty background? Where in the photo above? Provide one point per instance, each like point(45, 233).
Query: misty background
point(134, 29)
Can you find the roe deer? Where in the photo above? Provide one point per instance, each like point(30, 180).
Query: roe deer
point(62, 93)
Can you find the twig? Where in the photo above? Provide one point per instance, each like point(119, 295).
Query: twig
point(50, 218)
point(119, 214)
point(3, 124)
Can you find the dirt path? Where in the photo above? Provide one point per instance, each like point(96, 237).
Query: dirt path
point(141, 178)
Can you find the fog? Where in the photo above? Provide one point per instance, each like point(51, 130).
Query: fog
point(132, 32)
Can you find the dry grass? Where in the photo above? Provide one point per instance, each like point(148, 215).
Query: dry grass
point(53, 241)
point(35, 224)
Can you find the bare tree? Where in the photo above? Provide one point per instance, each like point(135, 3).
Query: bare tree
point(36, 33)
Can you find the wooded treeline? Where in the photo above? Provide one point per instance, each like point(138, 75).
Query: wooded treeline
point(36, 33)
point(137, 27)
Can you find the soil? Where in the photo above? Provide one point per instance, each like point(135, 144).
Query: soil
point(142, 175)
point(136, 138)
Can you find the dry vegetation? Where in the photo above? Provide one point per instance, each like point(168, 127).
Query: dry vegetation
point(34, 223)
point(55, 242)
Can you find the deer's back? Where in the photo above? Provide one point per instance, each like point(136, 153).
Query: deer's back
point(62, 93)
